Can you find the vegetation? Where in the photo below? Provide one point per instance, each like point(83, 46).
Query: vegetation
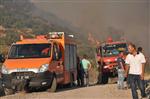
point(17, 17)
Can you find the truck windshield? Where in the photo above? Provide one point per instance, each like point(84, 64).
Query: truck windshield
point(30, 51)
point(113, 49)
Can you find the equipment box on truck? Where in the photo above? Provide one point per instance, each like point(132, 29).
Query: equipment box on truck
point(41, 62)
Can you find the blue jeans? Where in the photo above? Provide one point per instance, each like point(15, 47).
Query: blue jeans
point(120, 78)
point(133, 80)
point(86, 77)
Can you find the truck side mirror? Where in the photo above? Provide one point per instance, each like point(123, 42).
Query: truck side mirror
point(2, 58)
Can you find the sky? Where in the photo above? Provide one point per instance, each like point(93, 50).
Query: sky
point(99, 17)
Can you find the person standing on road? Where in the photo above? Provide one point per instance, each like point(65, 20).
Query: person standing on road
point(140, 50)
point(135, 65)
point(80, 73)
point(121, 70)
point(86, 66)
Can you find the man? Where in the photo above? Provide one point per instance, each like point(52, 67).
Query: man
point(86, 66)
point(139, 50)
point(135, 68)
point(121, 64)
point(80, 73)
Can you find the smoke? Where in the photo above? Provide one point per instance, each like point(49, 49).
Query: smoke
point(149, 27)
point(104, 18)
point(116, 34)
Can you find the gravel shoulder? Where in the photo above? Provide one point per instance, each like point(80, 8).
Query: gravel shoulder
point(108, 91)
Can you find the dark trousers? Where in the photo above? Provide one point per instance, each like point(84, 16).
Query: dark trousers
point(80, 78)
point(135, 81)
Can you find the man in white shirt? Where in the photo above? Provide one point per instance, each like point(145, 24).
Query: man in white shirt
point(135, 70)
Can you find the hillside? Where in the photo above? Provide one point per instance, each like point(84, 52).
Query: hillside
point(21, 17)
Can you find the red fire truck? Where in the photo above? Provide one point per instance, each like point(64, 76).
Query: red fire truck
point(107, 54)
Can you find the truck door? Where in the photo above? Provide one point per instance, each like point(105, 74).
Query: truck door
point(58, 62)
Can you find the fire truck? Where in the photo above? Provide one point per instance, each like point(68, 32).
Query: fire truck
point(41, 62)
point(106, 56)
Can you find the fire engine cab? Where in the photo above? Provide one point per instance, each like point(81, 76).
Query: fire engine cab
point(41, 62)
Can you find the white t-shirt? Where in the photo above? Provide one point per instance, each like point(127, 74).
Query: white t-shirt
point(135, 63)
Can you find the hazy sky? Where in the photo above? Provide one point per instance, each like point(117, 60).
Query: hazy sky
point(97, 16)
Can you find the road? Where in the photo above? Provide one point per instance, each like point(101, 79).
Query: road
point(108, 91)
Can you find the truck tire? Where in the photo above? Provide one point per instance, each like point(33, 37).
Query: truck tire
point(1, 89)
point(2, 92)
point(8, 91)
point(104, 79)
point(53, 86)
point(71, 81)
point(99, 79)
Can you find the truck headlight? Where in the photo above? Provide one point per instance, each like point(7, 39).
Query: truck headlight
point(44, 68)
point(4, 70)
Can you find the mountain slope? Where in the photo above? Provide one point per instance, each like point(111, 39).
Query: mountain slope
point(20, 17)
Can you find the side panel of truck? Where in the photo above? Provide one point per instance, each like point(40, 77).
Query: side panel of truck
point(70, 62)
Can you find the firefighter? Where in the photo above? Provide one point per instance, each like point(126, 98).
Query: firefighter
point(86, 67)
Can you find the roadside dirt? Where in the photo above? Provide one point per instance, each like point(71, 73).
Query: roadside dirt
point(108, 91)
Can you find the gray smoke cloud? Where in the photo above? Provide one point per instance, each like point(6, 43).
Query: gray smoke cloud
point(149, 27)
point(102, 18)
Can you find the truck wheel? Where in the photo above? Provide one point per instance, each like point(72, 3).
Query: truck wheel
point(8, 91)
point(71, 81)
point(104, 78)
point(53, 86)
point(99, 79)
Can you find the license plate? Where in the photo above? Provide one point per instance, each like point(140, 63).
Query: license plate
point(22, 77)
point(22, 69)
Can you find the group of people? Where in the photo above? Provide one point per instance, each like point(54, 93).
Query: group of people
point(132, 67)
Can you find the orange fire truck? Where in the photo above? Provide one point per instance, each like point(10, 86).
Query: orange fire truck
point(41, 62)
point(107, 54)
